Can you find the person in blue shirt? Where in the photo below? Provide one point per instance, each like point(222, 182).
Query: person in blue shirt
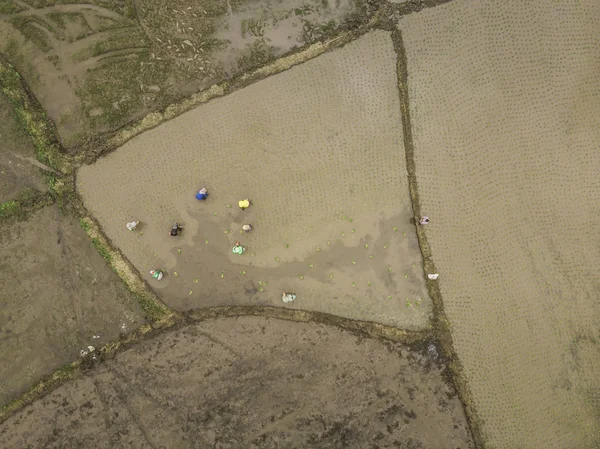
point(202, 194)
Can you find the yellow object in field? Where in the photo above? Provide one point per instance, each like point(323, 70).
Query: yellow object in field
point(244, 203)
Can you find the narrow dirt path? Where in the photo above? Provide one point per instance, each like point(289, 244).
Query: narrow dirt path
point(37, 163)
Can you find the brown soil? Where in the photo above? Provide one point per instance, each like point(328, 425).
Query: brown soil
point(504, 104)
point(250, 382)
point(97, 65)
point(505, 108)
point(57, 296)
point(325, 171)
point(18, 168)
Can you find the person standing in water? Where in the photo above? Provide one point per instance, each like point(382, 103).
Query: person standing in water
point(288, 297)
point(202, 194)
point(238, 249)
point(157, 274)
point(176, 229)
point(132, 225)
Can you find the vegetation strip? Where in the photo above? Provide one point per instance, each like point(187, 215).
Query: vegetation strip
point(49, 152)
point(33, 118)
point(152, 306)
point(28, 201)
point(41, 389)
point(364, 328)
point(441, 325)
point(73, 370)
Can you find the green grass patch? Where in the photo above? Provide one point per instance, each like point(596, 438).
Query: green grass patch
point(103, 250)
point(51, 180)
point(9, 209)
point(13, 52)
point(84, 225)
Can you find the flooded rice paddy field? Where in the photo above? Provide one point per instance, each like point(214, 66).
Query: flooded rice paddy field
point(505, 108)
point(318, 150)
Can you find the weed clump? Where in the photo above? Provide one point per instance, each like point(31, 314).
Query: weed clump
point(28, 201)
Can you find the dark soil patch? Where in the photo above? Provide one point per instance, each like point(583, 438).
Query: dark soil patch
point(57, 296)
point(250, 382)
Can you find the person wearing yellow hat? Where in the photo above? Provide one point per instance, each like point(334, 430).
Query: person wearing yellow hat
point(244, 204)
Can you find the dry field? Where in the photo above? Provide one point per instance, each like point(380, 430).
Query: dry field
point(505, 109)
point(56, 291)
point(251, 383)
point(318, 149)
point(97, 65)
point(57, 296)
